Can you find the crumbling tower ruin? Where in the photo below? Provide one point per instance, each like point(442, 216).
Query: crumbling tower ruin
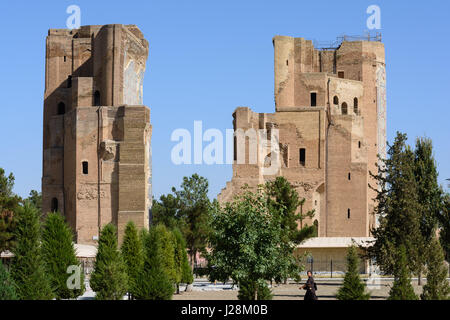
point(96, 142)
point(330, 110)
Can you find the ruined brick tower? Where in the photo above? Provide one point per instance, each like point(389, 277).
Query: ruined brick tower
point(96, 142)
point(330, 110)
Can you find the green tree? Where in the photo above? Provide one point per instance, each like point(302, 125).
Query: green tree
point(187, 276)
point(353, 288)
point(9, 203)
point(27, 269)
point(154, 282)
point(166, 211)
point(7, 287)
point(133, 255)
point(429, 195)
point(35, 198)
point(7, 227)
point(444, 224)
point(243, 250)
point(402, 288)
point(194, 211)
point(59, 254)
point(437, 287)
point(182, 267)
point(6, 184)
point(250, 290)
point(109, 279)
point(283, 199)
point(397, 209)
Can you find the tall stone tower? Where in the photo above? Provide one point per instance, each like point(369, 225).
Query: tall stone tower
point(96, 142)
point(330, 111)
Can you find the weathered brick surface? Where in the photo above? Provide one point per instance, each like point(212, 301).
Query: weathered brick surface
point(93, 113)
point(341, 148)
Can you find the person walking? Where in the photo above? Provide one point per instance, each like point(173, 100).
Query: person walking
point(310, 287)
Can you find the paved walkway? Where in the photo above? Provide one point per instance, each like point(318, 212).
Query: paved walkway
point(327, 288)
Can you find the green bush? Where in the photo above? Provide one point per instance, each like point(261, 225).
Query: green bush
point(353, 288)
point(155, 282)
point(437, 287)
point(59, 253)
point(109, 279)
point(402, 288)
point(7, 289)
point(183, 268)
point(27, 269)
point(247, 290)
point(133, 255)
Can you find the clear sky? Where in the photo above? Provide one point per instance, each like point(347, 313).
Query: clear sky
point(208, 57)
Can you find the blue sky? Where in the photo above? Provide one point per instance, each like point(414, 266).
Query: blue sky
point(208, 57)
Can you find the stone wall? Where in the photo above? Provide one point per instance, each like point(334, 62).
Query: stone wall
point(97, 133)
point(331, 103)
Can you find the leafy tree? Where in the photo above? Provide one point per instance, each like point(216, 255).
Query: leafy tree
point(429, 195)
point(444, 224)
point(402, 288)
point(109, 279)
point(437, 287)
point(154, 280)
point(428, 190)
point(35, 198)
point(7, 287)
point(167, 212)
point(187, 276)
point(247, 290)
point(7, 226)
point(353, 288)
point(166, 240)
point(6, 184)
point(59, 254)
point(182, 267)
point(398, 209)
point(9, 203)
point(283, 199)
point(243, 250)
point(194, 211)
point(27, 269)
point(133, 255)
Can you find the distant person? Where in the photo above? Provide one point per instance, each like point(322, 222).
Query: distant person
point(310, 287)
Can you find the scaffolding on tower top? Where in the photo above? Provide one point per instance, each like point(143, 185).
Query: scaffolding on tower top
point(323, 45)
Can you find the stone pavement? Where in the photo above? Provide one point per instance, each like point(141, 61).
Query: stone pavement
point(327, 288)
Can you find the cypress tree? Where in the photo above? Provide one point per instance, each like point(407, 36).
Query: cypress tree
point(444, 224)
point(183, 268)
point(353, 288)
point(402, 288)
point(437, 287)
point(59, 254)
point(109, 279)
point(187, 276)
point(154, 281)
point(397, 209)
point(7, 288)
point(27, 269)
point(133, 255)
point(179, 251)
point(428, 190)
point(429, 196)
